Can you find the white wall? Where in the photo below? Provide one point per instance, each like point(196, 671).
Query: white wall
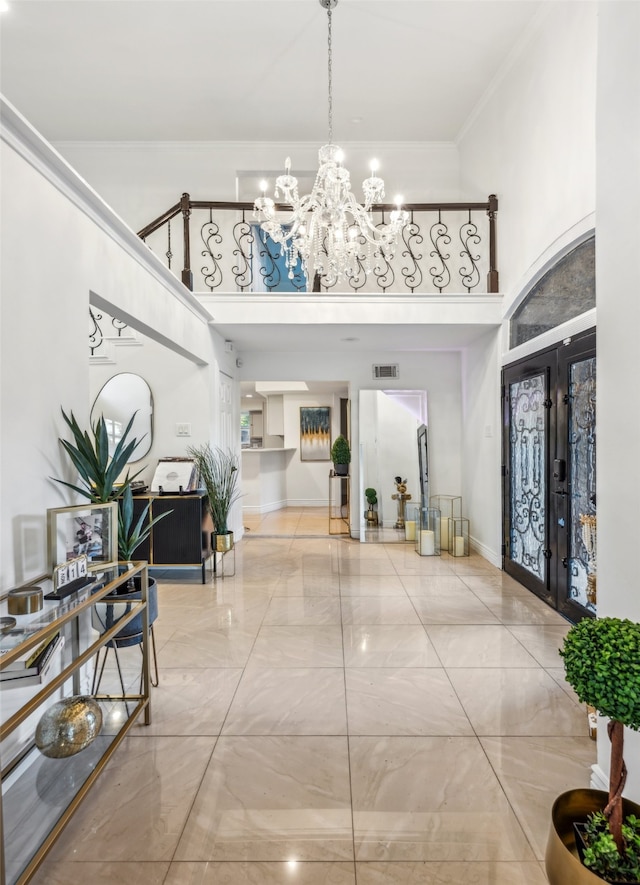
point(181, 393)
point(481, 447)
point(532, 139)
point(142, 180)
point(618, 307)
point(307, 481)
point(61, 248)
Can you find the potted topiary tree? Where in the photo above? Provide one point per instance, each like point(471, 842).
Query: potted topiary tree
point(341, 456)
point(218, 470)
point(602, 664)
point(372, 499)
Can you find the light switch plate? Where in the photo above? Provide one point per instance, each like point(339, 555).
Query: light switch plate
point(183, 430)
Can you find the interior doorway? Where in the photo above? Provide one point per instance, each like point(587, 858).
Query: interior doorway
point(389, 424)
point(549, 474)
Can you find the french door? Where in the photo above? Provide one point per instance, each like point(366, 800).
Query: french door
point(549, 473)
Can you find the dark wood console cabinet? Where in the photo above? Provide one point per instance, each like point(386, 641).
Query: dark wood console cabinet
point(183, 538)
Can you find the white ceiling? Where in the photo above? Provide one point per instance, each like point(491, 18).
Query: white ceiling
point(185, 70)
point(236, 70)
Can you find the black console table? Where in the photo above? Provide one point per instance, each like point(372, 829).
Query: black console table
point(183, 538)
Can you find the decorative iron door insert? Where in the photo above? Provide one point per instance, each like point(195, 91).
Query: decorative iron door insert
point(549, 493)
point(577, 446)
point(526, 487)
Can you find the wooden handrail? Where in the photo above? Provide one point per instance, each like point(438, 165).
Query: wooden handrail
point(186, 205)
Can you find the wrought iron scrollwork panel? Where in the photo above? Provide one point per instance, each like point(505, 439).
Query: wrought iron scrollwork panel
point(527, 443)
point(582, 482)
point(382, 269)
point(412, 238)
point(440, 238)
point(96, 335)
point(242, 270)
point(470, 239)
point(211, 236)
point(269, 252)
point(119, 325)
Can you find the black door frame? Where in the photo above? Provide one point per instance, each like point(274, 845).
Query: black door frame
point(554, 363)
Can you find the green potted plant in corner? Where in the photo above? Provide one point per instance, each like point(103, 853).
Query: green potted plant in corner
point(602, 664)
point(218, 471)
point(341, 456)
point(372, 499)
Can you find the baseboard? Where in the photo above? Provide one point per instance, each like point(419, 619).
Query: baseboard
point(486, 552)
point(599, 780)
point(264, 508)
point(307, 502)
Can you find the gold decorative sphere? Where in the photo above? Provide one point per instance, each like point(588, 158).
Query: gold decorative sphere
point(68, 726)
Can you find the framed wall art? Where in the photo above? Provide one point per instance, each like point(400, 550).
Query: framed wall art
point(315, 433)
point(89, 530)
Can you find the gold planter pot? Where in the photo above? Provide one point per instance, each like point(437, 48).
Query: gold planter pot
point(223, 543)
point(562, 863)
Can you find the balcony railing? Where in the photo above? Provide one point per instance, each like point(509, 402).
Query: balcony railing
point(445, 248)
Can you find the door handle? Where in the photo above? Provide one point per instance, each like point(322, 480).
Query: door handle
point(561, 492)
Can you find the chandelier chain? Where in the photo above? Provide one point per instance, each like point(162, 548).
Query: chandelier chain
point(330, 73)
point(328, 233)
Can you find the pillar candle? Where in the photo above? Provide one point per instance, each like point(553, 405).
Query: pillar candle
point(410, 530)
point(427, 543)
point(458, 545)
point(444, 533)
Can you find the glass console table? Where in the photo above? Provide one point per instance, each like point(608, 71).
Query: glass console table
point(40, 794)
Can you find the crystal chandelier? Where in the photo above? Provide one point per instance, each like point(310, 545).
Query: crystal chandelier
point(328, 230)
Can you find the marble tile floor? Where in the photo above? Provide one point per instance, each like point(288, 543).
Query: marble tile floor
point(338, 713)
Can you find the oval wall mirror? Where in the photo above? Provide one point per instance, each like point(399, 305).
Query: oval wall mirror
point(120, 397)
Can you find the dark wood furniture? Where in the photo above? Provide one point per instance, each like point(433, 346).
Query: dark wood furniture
point(181, 539)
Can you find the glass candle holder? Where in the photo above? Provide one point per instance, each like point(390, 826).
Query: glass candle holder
point(450, 506)
point(427, 531)
point(458, 536)
point(412, 518)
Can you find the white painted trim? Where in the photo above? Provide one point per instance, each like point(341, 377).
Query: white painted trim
point(486, 552)
point(264, 508)
point(309, 502)
point(577, 234)
point(27, 142)
point(566, 330)
point(599, 780)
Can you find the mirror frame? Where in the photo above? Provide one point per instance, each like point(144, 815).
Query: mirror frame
point(146, 439)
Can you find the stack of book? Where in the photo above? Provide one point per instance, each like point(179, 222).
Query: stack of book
point(33, 667)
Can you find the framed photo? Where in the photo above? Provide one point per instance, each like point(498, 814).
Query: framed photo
point(89, 530)
point(315, 433)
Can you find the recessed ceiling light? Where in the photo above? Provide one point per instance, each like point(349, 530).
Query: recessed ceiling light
point(349, 339)
point(249, 396)
point(356, 120)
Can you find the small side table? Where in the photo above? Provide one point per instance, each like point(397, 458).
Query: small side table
point(222, 553)
point(339, 510)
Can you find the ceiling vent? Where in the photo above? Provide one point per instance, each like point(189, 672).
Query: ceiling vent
point(391, 370)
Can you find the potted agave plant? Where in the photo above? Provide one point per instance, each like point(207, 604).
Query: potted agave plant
point(218, 470)
point(98, 474)
point(602, 664)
